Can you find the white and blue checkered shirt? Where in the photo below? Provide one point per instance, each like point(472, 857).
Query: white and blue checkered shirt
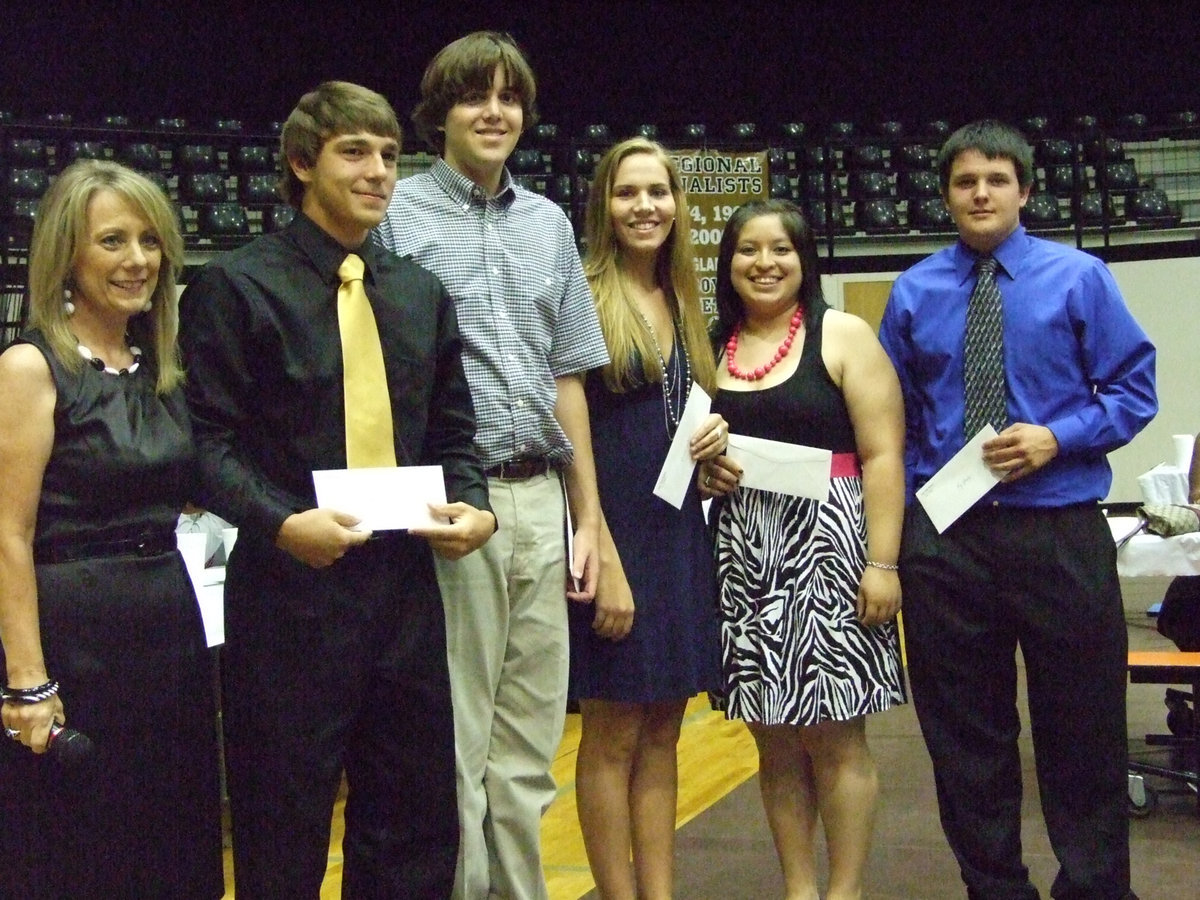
point(524, 308)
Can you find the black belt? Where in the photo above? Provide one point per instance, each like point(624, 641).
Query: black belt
point(145, 545)
point(520, 469)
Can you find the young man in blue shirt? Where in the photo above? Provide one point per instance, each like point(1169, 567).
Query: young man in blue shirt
point(1032, 564)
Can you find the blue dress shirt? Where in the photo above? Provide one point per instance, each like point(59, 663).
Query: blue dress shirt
point(1075, 361)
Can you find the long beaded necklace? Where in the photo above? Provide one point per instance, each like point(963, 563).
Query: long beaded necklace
point(674, 389)
point(761, 372)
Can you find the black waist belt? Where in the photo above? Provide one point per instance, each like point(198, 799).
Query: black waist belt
point(150, 544)
point(520, 469)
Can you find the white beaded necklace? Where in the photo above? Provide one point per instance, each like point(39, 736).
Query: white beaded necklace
point(677, 392)
point(98, 364)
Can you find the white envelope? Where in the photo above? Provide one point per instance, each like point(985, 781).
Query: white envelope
point(781, 467)
point(677, 468)
point(385, 499)
point(959, 484)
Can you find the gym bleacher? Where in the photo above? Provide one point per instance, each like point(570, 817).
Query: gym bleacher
point(868, 188)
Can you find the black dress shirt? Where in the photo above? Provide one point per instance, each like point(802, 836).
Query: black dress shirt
point(259, 332)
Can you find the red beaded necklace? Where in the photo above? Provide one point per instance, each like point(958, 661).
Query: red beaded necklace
point(761, 371)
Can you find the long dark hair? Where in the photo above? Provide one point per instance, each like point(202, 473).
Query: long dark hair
point(730, 308)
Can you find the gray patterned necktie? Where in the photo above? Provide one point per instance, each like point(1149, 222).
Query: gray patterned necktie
point(984, 354)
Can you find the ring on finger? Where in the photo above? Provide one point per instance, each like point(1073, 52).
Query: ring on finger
point(12, 733)
point(707, 480)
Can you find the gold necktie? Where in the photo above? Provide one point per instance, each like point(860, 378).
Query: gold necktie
point(369, 441)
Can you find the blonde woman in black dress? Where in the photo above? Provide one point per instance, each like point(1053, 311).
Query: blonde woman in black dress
point(99, 625)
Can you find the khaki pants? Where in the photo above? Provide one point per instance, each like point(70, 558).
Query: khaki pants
point(506, 632)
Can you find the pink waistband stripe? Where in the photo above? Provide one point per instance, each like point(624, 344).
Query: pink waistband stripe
point(845, 465)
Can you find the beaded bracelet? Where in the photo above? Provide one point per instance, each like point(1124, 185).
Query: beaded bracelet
point(29, 695)
point(884, 566)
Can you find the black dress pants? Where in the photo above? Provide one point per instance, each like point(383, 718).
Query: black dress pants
point(361, 685)
point(1043, 580)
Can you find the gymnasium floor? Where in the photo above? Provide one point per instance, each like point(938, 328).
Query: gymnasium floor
point(724, 849)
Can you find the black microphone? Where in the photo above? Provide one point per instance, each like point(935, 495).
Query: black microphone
point(69, 747)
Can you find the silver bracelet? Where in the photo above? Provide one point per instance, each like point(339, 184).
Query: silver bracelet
point(884, 566)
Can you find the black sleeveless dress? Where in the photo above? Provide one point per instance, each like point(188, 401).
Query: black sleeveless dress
point(121, 632)
point(788, 570)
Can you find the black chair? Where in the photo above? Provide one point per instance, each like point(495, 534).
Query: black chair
point(780, 188)
point(814, 185)
point(544, 133)
point(840, 130)
point(203, 187)
point(1085, 124)
point(525, 161)
point(30, 152)
point(1090, 209)
point(1054, 152)
point(278, 217)
point(823, 218)
point(253, 158)
point(585, 160)
point(877, 216)
point(196, 158)
point(597, 134)
point(1042, 212)
point(814, 156)
point(222, 220)
point(20, 214)
point(1151, 207)
point(142, 156)
point(865, 156)
point(83, 150)
point(937, 129)
point(26, 183)
point(1060, 180)
point(919, 183)
point(1035, 126)
point(866, 184)
point(561, 188)
point(1132, 123)
point(1101, 151)
point(258, 189)
point(914, 156)
point(930, 215)
point(1118, 176)
point(778, 159)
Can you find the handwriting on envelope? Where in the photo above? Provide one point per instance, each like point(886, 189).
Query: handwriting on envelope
point(959, 484)
point(781, 467)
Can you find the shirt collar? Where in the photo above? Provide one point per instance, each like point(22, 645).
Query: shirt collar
point(1008, 255)
point(327, 254)
point(463, 191)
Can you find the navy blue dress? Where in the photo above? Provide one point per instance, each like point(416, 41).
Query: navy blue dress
point(673, 650)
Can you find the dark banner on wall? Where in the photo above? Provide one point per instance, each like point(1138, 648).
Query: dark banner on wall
point(716, 184)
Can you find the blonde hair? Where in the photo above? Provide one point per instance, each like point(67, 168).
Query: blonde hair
point(630, 344)
point(61, 230)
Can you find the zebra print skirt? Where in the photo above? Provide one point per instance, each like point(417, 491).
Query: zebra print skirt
point(792, 651)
